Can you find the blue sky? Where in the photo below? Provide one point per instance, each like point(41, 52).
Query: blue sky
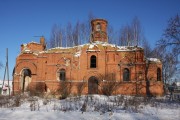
point(20, 20)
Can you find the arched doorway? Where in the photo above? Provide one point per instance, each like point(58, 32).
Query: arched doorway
point(93, 85)
point(25, 79)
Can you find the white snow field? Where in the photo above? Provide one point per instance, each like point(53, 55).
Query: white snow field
point(95, 107)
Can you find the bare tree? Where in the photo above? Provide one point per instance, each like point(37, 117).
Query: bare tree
point(111, 34)
point(131, 35)
point(169, 62)
point(136, 31)
point(56, 38)
point(168, 48)
point(147, 48)
point(69, 35)
point(76, 36)
point(84, 34)
point(171, 36)
point(125, 36)
point(88, 26)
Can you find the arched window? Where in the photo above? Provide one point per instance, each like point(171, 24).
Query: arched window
point(62, 75)
point(158, 74)
point(93, 61)
point(126, 75)
point(98, 27)
point(27, 72)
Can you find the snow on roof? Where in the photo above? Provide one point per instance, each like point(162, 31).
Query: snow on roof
point(154, 59)
point(34, 42)
point(128, 48)
point(24, 44)
point(91, 46)
point(96, 44)
point(77, 54)
point(93, 50)
point(27, 50)
point(76, 50)
point(119, 48)
point(60, 48)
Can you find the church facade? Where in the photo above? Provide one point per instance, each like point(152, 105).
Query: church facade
point(93, 68)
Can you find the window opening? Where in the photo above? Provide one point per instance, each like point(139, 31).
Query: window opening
point(159, 74)
point(93, 62)
point(62, 75)
point(126, 75)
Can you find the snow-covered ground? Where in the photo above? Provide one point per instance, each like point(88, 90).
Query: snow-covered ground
point(96, 107)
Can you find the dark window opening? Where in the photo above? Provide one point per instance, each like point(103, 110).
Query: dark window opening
point(26, 72)
point(62, 75)
point(98, 27)
point(93, 61)
point(45, 88)
point(159, 74)
point(126, 75)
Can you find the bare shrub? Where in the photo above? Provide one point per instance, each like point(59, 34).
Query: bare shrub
point(45, 102)
point(17, 101)
point(65, 89)
point(119, 100)
point(37, 91)
point(108, 87)
point(55, 107)
point(84, 107)
point(80, 87)
point(132, 104)
point(4, 102)
point(34, 104)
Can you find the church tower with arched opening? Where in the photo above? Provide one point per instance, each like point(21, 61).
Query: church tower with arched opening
point(99, 30)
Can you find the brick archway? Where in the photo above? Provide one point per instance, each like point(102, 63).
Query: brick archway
point(18, 82)
point(26, 64)
point(98, 76)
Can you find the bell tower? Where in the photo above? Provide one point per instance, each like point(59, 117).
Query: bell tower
point(99, 30)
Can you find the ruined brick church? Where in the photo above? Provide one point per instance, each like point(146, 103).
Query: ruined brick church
point(95, 65)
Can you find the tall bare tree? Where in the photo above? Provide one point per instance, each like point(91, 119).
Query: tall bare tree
point(171, 36)
point(147, 48)
point(88, 26)
point(168, 62)
point(136, 31)
point(131, 35)
point(69, 35)
point(84, 33)
point(56, 39)
point(125, 36)
point(169, 48)
point(111, 34)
